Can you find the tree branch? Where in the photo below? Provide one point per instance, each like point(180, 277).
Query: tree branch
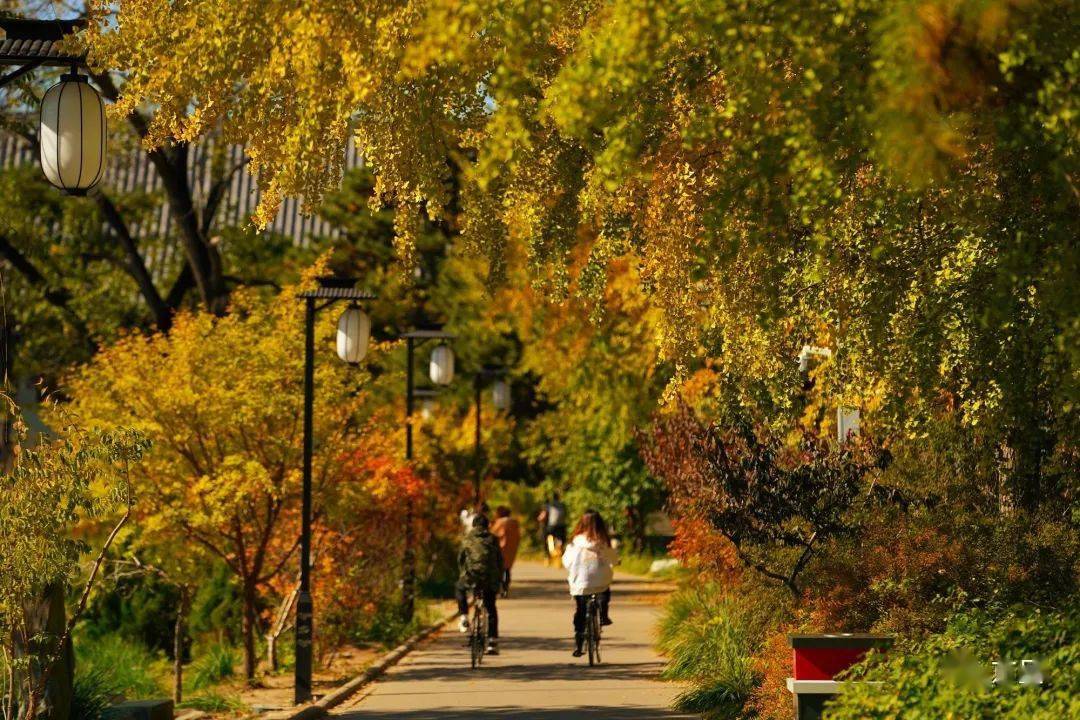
point(58, 297)
point(136, 265)
point(171, 165)
point(216, 194)
point(184, 282)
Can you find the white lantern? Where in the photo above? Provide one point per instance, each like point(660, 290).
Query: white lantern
point(500, 395)
point(427, 409)
point(72, 135)
point(442, 365)
point(353, 331)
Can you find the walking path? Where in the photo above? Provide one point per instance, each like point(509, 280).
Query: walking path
point(534, 677)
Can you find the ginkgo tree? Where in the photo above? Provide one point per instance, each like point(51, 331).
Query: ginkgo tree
point(221, 397)
point(895, 180)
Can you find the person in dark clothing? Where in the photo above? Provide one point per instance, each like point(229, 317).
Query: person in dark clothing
point(480, 566)
point(553, 519)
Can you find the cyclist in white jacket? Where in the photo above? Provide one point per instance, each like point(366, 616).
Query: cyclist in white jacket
point(590, 561)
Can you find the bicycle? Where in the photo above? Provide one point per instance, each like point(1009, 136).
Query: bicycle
point(478, 629)
point(592, 629)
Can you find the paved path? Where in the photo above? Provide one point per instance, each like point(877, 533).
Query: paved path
point(534, 678)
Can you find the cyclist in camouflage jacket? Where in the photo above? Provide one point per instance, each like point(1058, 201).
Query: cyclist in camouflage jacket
point(480, 566)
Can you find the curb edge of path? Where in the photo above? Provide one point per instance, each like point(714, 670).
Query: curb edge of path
point(320, 708)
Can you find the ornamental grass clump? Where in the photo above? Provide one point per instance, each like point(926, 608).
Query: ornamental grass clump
point(709, 636)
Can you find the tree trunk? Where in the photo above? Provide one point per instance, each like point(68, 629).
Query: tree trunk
point(250, 622)
point(60, 689)
point(179, 633)
point(44, 625)
point(408, 580)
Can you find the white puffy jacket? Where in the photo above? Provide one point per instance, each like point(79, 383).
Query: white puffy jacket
point(590, 565)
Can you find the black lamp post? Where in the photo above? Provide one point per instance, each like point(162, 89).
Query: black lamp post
point(352, 340)
point(500, 398)
point(442, 373)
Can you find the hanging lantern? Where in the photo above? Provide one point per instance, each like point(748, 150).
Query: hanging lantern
point(442, 365)
point(72, 135)
point(353, 331)
point(427, 409)
point(500, 395)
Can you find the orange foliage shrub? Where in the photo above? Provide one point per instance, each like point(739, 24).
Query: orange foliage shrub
point(698, 544)
point(771, 700)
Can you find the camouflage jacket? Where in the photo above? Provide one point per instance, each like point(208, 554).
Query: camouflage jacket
point(480, 561)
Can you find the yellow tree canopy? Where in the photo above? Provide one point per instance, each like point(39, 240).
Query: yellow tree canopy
point(895, 180)
point(222, 400)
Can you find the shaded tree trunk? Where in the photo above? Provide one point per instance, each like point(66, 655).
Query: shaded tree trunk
point(179, 635)
point(249, 628)
point(44, 623)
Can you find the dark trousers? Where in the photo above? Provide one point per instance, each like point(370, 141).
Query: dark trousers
point(489, 605)
point(506, 577)
point(581, 603)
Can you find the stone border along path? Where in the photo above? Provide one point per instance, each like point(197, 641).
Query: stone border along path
point(534, 677)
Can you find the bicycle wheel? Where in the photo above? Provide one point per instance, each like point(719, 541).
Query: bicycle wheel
point(596, 632)
point(591, 637)
point(478, 636)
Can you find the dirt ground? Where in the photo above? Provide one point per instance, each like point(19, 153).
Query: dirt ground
point(275, 692)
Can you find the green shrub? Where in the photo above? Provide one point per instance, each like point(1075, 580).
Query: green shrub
point(709, 636)
point(140, 609)
point(442, 571)
point(93, 692)
point(385, 626)
point(948, 675)
point(217, 606)
point(213, 664)
point(127, 668)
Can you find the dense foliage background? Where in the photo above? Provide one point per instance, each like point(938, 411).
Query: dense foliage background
point(645, 210)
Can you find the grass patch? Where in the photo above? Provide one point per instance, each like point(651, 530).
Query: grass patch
point(709, 636)
point(213, 701)
point(93, 692)
point(123, 667)
point(215, 663)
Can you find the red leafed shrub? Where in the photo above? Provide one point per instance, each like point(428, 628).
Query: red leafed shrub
point(775, 502)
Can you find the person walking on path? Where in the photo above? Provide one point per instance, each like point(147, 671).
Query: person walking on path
point(590, 563)
point(480, 567)
point(508, 532)
point(553, 520)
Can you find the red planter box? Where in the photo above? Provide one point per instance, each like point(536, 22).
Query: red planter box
point(818, 659)
point(823, 657)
